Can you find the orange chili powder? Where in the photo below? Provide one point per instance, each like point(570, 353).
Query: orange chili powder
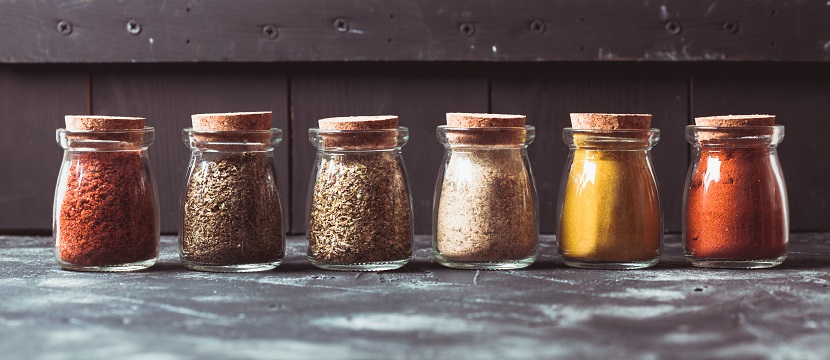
point(735, 207)
point(107, 216)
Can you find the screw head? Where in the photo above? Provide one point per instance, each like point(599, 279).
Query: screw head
point(64, 27)
point(731, 27)
point(538, 26)
point(133, 27)
point(342, 25)
point(467, 29)
point(270, 31)
point(673, 27)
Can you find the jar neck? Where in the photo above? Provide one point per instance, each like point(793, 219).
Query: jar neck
point(485, 138)
point(232, 141)
point(735, 137)
point(375, 140)
point(105, 140)
point(611, 140)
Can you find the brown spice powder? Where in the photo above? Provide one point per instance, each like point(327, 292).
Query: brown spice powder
point(360, 210)
point(487, 207)
point(232, 212)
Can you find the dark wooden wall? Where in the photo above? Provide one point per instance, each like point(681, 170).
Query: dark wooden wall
point(417, 59)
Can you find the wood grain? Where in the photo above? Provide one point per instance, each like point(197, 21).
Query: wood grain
point(404, 30)
point(798, 95)
point(168, 95)
point(548, 94)
point(421, 102)
point(33, 101)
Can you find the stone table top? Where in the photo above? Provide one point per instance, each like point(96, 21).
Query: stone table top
point(421, 311)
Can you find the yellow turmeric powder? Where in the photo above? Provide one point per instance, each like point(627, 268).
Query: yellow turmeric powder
point(610, 211)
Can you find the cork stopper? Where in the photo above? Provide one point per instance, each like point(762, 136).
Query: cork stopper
point(472, 120)
point(95, 122)
point(356, 132)
point(736, 120)
point(596, 121)
point(239, 121)
point(486, 129)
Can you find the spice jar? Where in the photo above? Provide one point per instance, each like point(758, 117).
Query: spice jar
point(360, 209)
point(106, 215)
point(609, 211)
point(485, 212)
point(735, 205)
point(231, 213)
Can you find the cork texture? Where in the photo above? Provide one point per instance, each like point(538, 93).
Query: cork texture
point(240, 121)
point(359, 122)
point(483, 129)
point(359, 132)
point(597, 121)
point(736, 120)
point(95, 122)
point(473, 120)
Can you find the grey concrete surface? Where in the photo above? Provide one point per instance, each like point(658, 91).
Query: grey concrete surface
point(421, 311)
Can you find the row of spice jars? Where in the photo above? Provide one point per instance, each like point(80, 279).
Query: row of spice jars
point(360, 213)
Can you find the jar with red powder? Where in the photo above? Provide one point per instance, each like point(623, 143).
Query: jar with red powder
point(735, 208)
point(106, 215)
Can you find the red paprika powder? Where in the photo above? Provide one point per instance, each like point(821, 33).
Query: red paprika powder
point(106, 212)
point(736, 213)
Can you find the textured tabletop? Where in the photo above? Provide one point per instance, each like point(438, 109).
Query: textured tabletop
point(420, 311)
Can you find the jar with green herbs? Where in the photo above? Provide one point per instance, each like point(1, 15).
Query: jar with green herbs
point(486, 210)
point(231, 218)
point(360, 208)
point(609, 210)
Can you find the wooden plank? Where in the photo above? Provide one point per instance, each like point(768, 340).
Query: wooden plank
point(33, 101)
point(421, 102)
point(405, 30)
point(167, 95)
point(547, 95)
point(798, 95)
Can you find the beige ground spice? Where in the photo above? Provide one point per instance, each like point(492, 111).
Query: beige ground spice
point(487, 208)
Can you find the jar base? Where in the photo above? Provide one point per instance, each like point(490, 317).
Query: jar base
point(485, 265)
point(362, 266)
point(736, 264)
point(606, 265)
point(238, 268)
point(133, 266)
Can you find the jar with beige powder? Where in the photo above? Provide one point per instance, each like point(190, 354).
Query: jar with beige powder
point(486, 210)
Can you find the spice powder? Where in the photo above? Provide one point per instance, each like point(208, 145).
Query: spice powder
point(107, 215)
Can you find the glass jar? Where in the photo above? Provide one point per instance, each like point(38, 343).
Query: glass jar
point(609, 210)
point(231, 211)
point(106, 214)
point(735, 203)
point(359, 207)
point(485, 212)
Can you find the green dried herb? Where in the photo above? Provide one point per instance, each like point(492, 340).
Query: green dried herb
point(360, 210)
point(232, 212)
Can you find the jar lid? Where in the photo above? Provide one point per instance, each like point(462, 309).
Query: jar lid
point(600, 121)
point(236, 121)
point(736, 120)
point(485, 129)
point(359, 132)
point(98, 122)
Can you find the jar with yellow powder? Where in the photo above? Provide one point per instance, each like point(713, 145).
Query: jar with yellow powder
point(609, 210)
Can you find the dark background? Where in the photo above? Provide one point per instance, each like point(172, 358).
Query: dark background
point(307, 60)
